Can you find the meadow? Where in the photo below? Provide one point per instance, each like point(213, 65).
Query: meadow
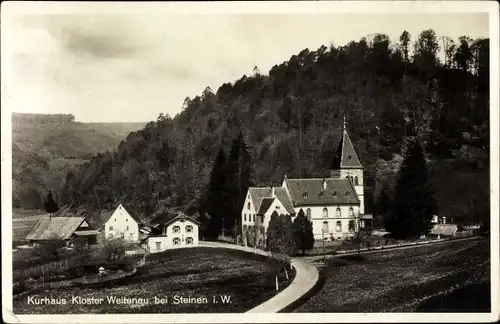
point(447, 277)
point(246, 280)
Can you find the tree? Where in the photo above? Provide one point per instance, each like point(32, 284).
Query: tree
point(404, 39)
point(50, 204)
point(360, 234)
point(414, 203)
point(111, 248)
point(216, 196)
point(280, 238)
point(426, 49)
point(303, 233)
point(384, 201)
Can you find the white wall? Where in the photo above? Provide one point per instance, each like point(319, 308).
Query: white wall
point(182, 235)
point(248, 215)
point(359, 188)
point(152, 243)
point(122, 224)
point(317, 219)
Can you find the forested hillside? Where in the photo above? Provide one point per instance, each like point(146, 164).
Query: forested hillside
point(45, 147)
point(290, 120)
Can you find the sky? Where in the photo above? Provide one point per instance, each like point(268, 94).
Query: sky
point(105, 67)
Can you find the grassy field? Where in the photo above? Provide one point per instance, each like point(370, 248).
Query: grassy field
point(448, 277)
point(246, 279)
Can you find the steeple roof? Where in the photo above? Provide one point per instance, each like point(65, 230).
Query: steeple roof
point(345, 155)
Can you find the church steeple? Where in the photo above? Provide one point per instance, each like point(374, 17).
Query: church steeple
point(345, 155)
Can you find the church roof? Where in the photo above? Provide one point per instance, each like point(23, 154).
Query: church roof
point(345, 155)
point(266, 203)
point(312, 191)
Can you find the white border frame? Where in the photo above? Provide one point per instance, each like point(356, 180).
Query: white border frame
point(303, 7)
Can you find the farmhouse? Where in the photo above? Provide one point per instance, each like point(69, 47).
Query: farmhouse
point(123, 222)
point(334, 204)
point(171, 231)
point(65, 230)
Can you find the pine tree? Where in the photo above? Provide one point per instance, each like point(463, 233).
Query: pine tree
point(384, 201)
point(303, 233)
point(50, 204)
point(239, 178)
point(216, 196)
point(414, 203)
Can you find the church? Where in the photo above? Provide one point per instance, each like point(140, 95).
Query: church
point(334, 205)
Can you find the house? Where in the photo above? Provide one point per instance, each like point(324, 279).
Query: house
point(123, 222)
point(68, 231)
point(171, 231)
point(334, 204)
point(438, 219)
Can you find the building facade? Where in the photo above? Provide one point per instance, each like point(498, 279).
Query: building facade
point(173, 232)
point(334, 204)
point(122, 224)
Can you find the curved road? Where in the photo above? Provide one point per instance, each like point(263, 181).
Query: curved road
point(306, 277)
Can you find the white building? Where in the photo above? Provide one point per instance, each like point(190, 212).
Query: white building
point(123, 223)
point(333, 204)
point(172, 231)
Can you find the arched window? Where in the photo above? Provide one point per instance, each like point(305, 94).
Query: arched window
point(351, 212)
point(325, 227)
point(248, 206)
point(325, 212)
point(308, 214)
point(351, 226)
point(338, 227)
point(338, 213)
point(356, 181)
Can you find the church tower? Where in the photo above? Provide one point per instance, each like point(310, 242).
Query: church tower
point(346, 165)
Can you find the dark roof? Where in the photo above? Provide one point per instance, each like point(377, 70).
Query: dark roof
point(132, 212)
point(55, 228)
point(345, 155)
point(264, 206)
point(257, 194)
point(311, 192)
point(167, 218)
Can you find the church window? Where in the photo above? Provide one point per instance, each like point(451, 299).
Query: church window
point(245, 217)
point(351, 212)
point(351, 226)
point(325, 212)
point(248, 206)
point(338, 212)
point(325, 227)
point(254, 217)
point(356, 181)
point(338, 227)
point(308, 213)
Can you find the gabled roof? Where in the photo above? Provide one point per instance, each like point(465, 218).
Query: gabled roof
point(168, 218)
point(345, 155)
point(131, 210)
point(263, 195)
point(55, 228)
point(312, 192)
point(264, 206)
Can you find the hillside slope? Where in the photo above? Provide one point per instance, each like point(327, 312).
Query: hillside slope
point(43, 154)
point(290, 120)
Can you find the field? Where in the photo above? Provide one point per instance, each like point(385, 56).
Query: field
point(245, 279)
point(448, 277)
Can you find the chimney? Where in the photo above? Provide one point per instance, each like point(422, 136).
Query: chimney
point(324, 184)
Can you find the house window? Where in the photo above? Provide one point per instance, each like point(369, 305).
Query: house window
point(248, 206)
point(126, 228)
point(189, 229)
point(245, 217)
point(177, 241)
point(351, 212)
point(304, 194)
point(347, 193)
point(325, 227)
point(325, 212)
point(126, 219)
point(158, 245)
point(308, 213)
point(176, 229)
point(115, 219)
point(334, 194)
point(131, 234)
point(189, 240)
point(321, 193)
point(338, 227)
point(351, 226)
point(338, 213)
point(356, 181)
point(111, 228)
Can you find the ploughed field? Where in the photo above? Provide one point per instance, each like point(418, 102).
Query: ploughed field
point(194, 280)
point(446, 277)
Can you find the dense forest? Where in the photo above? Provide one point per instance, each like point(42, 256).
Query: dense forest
point(290, 121)
point(41, 119)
